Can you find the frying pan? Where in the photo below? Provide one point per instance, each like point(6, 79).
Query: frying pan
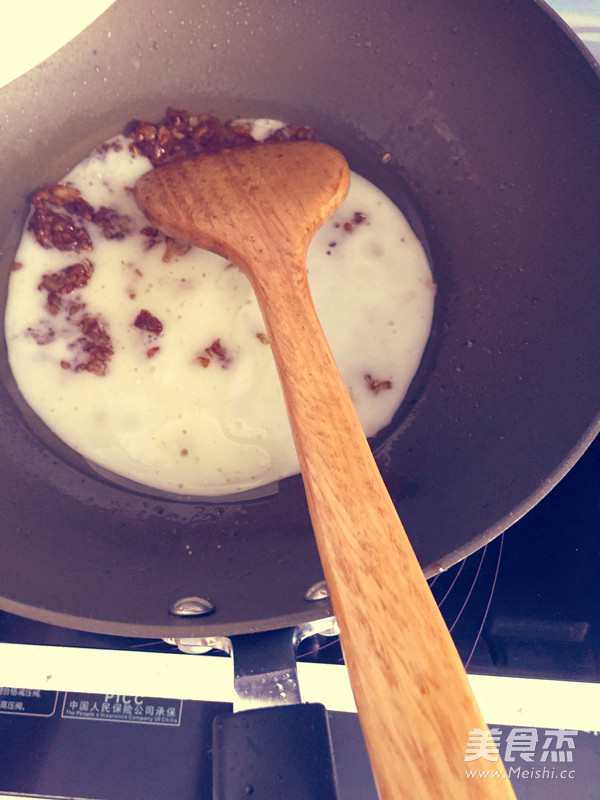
point(481, 121)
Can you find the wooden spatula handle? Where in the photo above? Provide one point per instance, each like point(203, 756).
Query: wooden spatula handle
point(415, 703)
point(259, 207)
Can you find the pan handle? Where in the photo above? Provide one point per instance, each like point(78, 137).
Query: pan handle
point(282, 751)
point(272, 745)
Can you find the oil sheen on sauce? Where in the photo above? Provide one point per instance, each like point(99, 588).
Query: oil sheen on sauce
point(196, 408)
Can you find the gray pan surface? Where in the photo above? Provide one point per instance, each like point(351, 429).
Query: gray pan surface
point(491, 113)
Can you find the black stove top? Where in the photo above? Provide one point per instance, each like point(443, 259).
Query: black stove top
point(541, 581)
point(526, 605)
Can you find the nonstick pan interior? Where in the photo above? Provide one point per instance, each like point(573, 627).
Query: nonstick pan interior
point(481, 121)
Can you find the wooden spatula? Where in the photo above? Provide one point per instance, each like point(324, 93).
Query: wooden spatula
point(259, 207)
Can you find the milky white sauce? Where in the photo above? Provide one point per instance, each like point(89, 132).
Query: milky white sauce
point(169, 413)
